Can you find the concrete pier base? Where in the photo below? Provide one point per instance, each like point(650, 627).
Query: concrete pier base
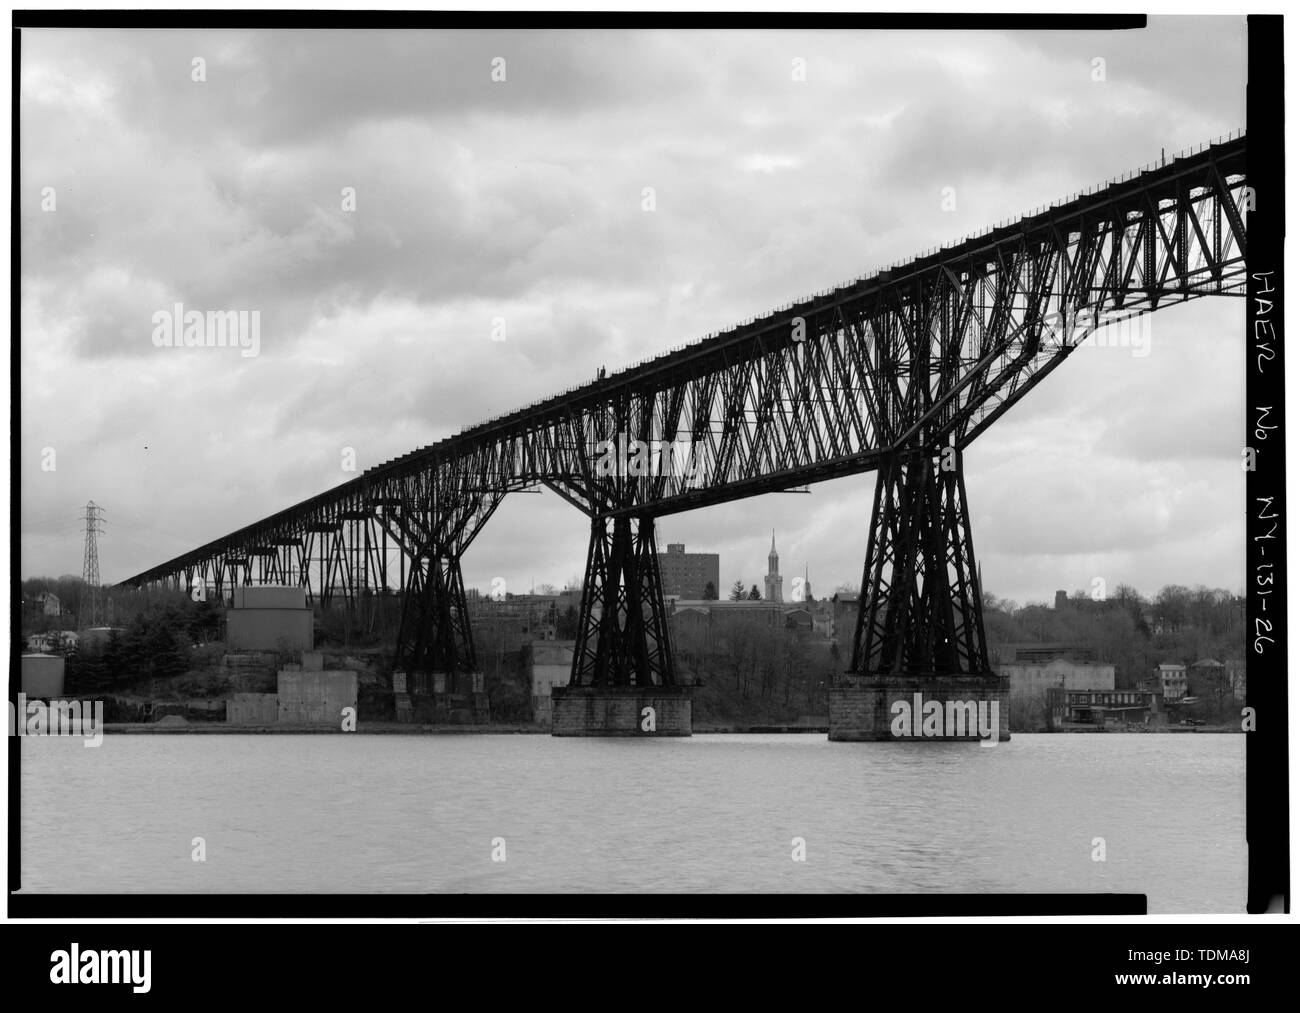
point(900, 708)
point(401, 698)
point(426, 698)
point(656, 711)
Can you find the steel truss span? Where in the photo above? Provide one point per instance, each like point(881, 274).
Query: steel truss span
point(882, 373)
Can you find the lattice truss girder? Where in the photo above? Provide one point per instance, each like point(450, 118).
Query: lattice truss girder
point(361, 543)
point(931, 355)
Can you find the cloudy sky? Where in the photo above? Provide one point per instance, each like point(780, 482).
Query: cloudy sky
point(522, 200)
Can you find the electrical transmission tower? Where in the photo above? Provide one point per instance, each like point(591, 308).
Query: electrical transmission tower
point(92, 610)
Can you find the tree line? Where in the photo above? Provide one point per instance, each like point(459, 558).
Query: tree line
point(154, 643)
point(757, 661)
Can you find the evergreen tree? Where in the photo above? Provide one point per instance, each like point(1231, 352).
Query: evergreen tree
point(167, 651)
point(112, 657)
point(566, 626)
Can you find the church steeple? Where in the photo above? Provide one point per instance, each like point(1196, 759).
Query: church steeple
point(772, 582)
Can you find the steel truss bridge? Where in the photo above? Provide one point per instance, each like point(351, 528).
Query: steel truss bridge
point(896, 373)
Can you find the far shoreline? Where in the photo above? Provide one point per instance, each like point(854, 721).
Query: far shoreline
point(411, 728)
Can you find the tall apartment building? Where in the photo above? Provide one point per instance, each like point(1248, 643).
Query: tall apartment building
point(686, 574)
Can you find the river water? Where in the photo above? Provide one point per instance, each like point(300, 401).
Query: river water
point(713, 813)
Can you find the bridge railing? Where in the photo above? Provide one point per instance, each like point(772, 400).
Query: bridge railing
point(1095, 188)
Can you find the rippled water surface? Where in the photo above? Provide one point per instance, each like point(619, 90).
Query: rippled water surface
point(712, 813)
